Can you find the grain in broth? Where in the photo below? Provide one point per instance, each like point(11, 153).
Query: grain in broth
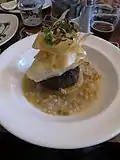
point(56, 103)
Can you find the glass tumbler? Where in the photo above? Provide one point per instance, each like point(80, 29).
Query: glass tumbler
point(103, 25)
point(59, 6)
point(104, 20)
point(31, 11)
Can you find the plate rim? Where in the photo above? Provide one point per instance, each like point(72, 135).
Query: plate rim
point(17, 23)
point(102, 115)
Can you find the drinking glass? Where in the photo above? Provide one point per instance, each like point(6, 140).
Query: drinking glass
point(59, 6)
point(104, 21)
point(31, 11)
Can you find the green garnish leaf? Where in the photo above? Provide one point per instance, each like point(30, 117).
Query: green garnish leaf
point(48, 38)
point(46, 30)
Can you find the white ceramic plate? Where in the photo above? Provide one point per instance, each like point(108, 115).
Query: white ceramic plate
point(94, 125)
point(47, 4)
point(6, 33)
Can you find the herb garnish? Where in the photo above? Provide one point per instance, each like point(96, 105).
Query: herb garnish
point(58, 31)
point(48, 37)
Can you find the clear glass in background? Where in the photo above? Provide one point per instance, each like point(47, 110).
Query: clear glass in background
point(31, 11)
point(104, 20)
point(59, 6)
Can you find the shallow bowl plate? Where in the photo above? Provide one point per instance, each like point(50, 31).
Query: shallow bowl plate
point(94, 125)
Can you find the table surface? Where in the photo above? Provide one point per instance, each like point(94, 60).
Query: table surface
point(22, 29)
point(12, 147)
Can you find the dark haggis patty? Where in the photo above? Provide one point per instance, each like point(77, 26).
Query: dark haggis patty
point(66, 80)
